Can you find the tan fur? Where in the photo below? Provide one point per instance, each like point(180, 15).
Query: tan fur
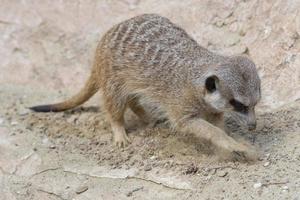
point(148, 59)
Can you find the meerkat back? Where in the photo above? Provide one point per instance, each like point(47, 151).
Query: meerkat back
point(150, 47)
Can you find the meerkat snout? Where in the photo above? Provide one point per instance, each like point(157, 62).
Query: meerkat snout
point(251, 119)
point(245, 91)
point(252, 126)
point(245, 115)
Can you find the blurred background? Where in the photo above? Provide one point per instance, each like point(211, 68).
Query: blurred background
point(50, 44)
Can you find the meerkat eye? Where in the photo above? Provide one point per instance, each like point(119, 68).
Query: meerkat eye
point(238, 106)
point(210, 84)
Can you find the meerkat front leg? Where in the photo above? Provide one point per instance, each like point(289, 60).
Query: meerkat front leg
point(225, 145)
point(219, 121)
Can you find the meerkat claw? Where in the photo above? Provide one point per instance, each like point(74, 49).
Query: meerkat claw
point(244, 155)
point(122, 141)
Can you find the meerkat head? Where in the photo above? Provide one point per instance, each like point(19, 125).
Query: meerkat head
point(234, 86)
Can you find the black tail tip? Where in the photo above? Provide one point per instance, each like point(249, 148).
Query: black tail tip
point(43, 108)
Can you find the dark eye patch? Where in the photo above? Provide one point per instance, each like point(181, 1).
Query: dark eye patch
point(210, 84)
point(238, 106)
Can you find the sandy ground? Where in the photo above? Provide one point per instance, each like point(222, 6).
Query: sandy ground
point(70, 156)
point(46, 50)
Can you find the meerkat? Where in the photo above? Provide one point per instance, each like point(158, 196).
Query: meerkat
point(149, 59)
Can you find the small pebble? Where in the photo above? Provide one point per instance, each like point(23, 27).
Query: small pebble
point(52, 147)
point(81, 189)
point(285, 187)
point(153, 157)
point(147, 168)
point(266, 164)
point(221, 173)
point(257, 185)
point(14, 123)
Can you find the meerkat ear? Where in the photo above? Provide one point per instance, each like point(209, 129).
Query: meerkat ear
point(211, 83)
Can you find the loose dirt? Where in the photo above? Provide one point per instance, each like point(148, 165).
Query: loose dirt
point(55, 155)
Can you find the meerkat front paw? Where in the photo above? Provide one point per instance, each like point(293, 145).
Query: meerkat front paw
point(244, 154)
point(235, 151)
point(121, 140)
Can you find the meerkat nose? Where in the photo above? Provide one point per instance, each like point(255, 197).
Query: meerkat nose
point(251, 126)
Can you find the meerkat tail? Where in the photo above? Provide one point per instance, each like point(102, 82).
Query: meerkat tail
point(90, 88)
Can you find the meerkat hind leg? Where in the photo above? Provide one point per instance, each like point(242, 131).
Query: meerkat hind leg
point(139, 110)
point(120, 136)
point(116, 112)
